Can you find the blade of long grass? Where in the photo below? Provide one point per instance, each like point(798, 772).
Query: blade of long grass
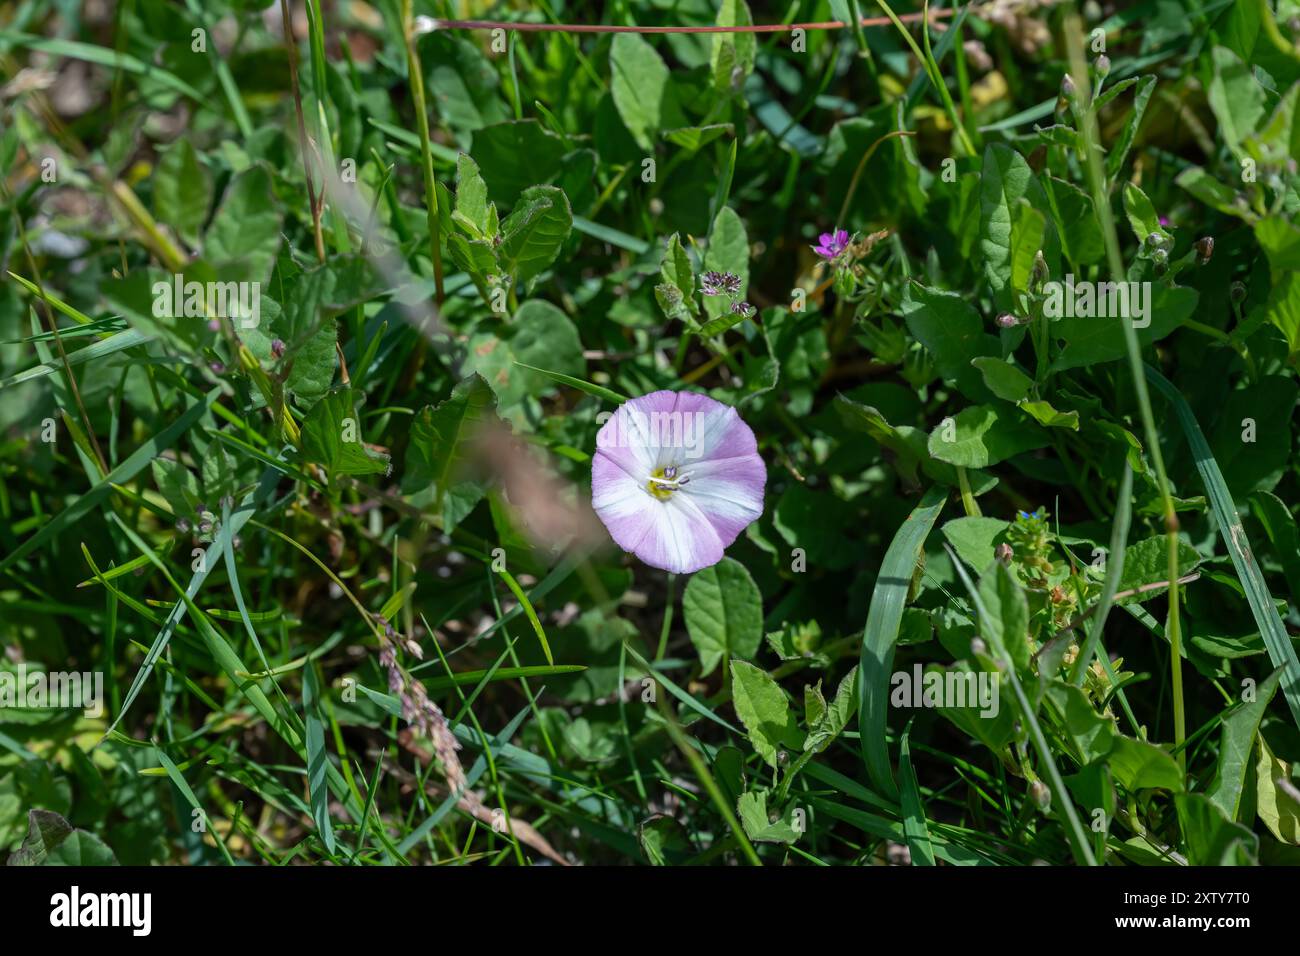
point(914, 826)
point(881, 634)
point(1280, 649)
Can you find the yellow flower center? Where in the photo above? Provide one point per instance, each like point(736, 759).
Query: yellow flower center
point(664, 481)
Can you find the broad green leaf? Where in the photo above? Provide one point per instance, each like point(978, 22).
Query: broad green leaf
point(439, 457)
point(182, 191)
point(1139, 765)
point(1002, 378)
point(1146, 564)
point(242, 241)
point(1006, 621)
point(331, 436)
point(1236, 98)
point(515, 155)
point(639, 83)
point(532, 235)
point(974, 538)
point(179, 486)
point(1096, 339)
point(762, 708)
point(953, 333)
point(758, 823)
point(757, 820)
point(724, 613)
point(52, 841)
point(982, 435)
point(1210, 837)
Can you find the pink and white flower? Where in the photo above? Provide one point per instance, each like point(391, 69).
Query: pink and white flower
point(676, 477)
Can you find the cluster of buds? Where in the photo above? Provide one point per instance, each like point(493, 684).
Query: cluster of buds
point(1030, 540)
point(424, 716)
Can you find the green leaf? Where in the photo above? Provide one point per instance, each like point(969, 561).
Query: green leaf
point(1002, 378)
point(1142, 215)
point(1276, 803)
point(179, 486)
point(906, 443)
point(1139, 765)
point(472, 199)
point(1211, 838)
point(439, 460)
point(1004, 181)
point(638, 82)
point(952, 332)
point(1236, 98)
point(1237, 732)
point(244, 237)
point(52, 841)
point(732, 57)
point(1096, 339)
point(983, 435)
point(762, 708)
point(1146, 563)
point(182, 191)
point(1251, 439)
point(515, 155)
point(331, 436)
point(540, 336)
point(758, 823)
point(532, 235)
point(1006, 623)
point(728, 251)
point(724, 613)
point(974, 538)
point(826, 721)
point(675, 268)
point(1119, 151)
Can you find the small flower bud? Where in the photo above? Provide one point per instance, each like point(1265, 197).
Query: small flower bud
point(1067, 87)
point(1040, 273)
point(1161, 260)
point(1204, 249)
point(977, 645)
point(1103, 65)
point(1238, 292)
point(1003, 553)
point(1006, 320)
point(277, 348)
point(1042, 797)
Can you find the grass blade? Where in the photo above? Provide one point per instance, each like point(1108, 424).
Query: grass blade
point(881, 634)
point(1280, 650)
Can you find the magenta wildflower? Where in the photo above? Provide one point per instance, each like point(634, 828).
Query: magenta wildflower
point(676, 478)
point(831, 244)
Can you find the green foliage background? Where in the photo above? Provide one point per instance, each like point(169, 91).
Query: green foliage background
point(456, 233)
